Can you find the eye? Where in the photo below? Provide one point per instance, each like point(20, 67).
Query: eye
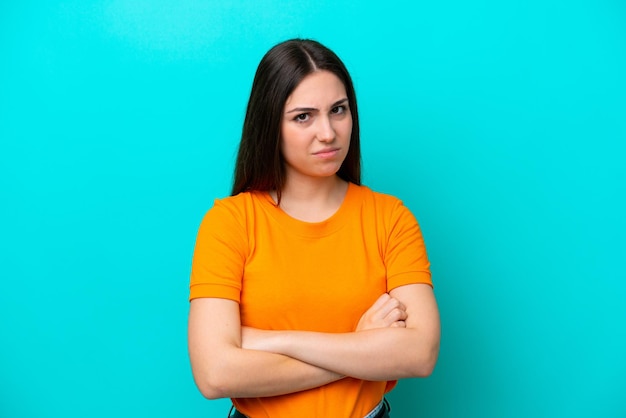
point(338, 110)
point(302, 117)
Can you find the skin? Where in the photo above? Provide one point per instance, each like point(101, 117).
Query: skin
point(316, 129)
point(397, 337)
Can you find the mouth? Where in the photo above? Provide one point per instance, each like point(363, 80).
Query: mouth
point(327, 153)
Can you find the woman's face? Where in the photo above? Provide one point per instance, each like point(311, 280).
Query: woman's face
point(316, 127)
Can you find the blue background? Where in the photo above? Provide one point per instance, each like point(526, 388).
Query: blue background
point(502, 125)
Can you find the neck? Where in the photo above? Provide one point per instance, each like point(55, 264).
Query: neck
point(312, 200)
point(319, 189)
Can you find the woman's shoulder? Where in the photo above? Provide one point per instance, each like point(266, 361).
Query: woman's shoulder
point(243, 199)
point(240, 199)
point(368, 195)
point(237, 207)
point(385, 207)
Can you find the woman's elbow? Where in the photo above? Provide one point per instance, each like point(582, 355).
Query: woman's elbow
point(210, 391)
point(212, 385)
point(424, 362)
point(426, 368)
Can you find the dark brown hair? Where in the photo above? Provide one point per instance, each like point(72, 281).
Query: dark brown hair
point(260, 164)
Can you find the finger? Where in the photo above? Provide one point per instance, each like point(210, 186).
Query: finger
point(381, 301)
point(397, 315)
point(393, 317)
point(391, 305)
point(380, 309)
point(398, 324)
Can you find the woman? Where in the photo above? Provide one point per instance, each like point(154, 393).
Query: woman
point(310, 294)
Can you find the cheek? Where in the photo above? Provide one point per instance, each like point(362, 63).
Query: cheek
point(288, 142)
point(347, 127)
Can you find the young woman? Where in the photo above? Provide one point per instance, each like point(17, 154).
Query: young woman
point(310, 293)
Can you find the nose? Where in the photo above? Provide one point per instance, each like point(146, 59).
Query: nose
point(326, 131)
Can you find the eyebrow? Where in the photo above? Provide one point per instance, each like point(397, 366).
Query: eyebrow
point(312, 109)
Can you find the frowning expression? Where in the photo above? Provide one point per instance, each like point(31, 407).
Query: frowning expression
point(316, 127)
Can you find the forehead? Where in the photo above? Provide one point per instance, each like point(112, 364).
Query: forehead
point(317, 89)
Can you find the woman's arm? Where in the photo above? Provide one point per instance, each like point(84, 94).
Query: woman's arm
point(221, 368)
point(374, 354)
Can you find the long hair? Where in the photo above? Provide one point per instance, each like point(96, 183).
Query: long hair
point(260, 165)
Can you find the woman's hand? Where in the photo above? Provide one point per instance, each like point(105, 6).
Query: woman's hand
point(386, 312)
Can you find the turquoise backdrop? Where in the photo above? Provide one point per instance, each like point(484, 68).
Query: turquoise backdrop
point(501, 124)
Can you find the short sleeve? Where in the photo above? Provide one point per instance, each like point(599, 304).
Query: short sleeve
point(220, 254)
point(406, 259)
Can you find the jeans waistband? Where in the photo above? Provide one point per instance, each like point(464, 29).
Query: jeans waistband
point(374, 412)
point(378, 411)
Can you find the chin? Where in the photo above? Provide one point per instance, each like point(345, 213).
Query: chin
point(329, 173)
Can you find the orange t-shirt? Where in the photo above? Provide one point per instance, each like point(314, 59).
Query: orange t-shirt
point(292, 275)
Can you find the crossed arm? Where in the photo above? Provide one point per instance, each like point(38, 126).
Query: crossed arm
point(397, 337)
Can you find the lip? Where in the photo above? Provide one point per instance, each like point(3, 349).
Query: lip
point(327, 152)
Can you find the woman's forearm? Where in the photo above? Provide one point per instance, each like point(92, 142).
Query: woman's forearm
point(223, 369)
point(378, 350)
point(248, 373)
point(380, 354)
